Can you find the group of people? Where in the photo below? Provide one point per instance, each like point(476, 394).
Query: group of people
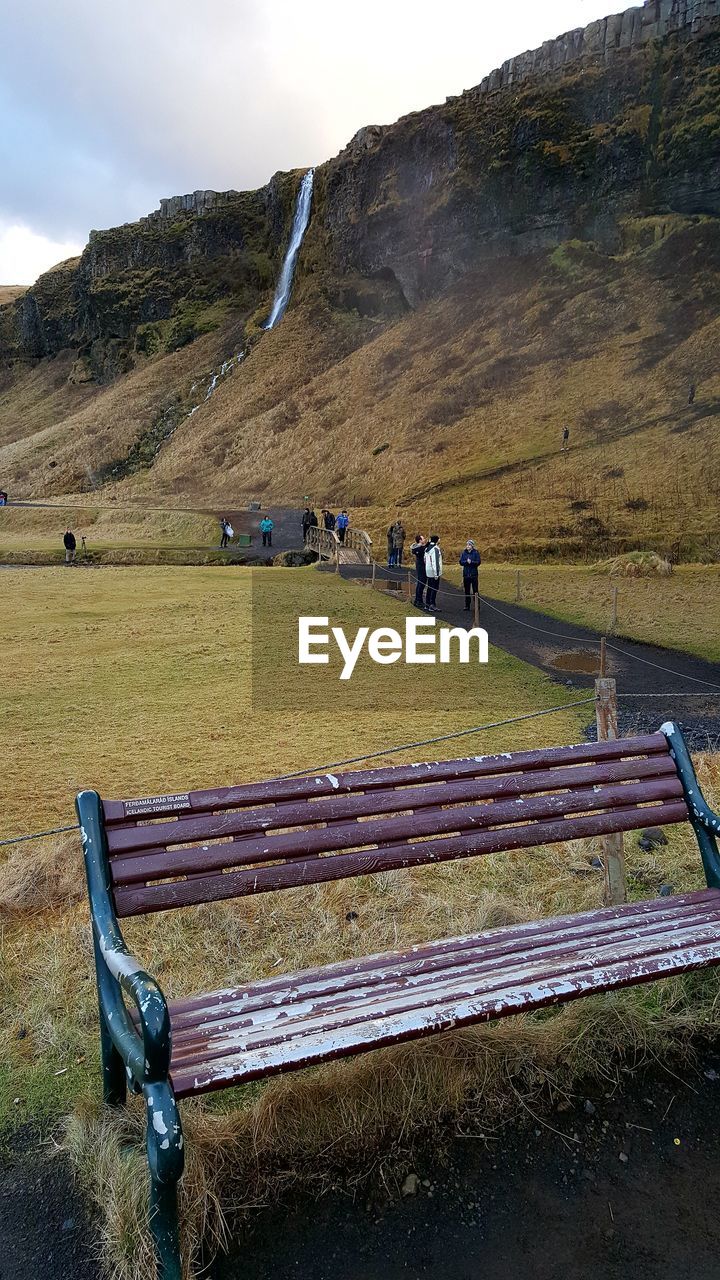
point(340, 523)
point(227, 533)
point(429, 567)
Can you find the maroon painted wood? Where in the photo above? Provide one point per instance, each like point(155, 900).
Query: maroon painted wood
point(380, 819)
point(143, 838)
point(272, 792)
point(137, 900)
point(300, 843)
point(323, 1014)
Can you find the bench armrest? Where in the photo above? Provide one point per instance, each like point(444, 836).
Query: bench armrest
point(146, 1054)
point(705, 822)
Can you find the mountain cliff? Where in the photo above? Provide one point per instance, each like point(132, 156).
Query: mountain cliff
point(578, 162)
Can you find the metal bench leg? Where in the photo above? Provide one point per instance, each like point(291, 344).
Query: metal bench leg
point(114, 1075)
point(166, 1158)
point(165, 1229)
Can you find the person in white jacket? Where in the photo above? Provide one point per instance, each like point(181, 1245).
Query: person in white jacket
point(433, 569)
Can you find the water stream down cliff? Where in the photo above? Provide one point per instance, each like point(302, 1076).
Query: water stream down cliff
point(299, 227)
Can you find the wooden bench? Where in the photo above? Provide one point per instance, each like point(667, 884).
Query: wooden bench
point(205, 846)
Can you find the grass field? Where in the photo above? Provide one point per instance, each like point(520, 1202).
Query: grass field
point(679, 612)
point(139, 681)
point(42, 528)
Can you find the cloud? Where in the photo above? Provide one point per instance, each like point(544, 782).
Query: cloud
point(106, 108)
point(24, 255)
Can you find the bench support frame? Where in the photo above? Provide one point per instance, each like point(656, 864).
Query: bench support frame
point(704, 822)
point(142, 1059)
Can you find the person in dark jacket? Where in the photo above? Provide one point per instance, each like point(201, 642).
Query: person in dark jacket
point(390, 547)
point(224, 534)
point(329, 519)
point(418, 550)
point(470, 563)
point(305, 522)
point(398, 542)
point(70, 546)
point(312, 521)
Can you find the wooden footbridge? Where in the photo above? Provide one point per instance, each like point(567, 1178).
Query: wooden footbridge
point(356, 548)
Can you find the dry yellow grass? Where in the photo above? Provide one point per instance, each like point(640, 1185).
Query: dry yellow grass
point(25, 529)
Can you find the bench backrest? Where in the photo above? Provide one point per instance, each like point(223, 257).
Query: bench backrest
point(204, 846)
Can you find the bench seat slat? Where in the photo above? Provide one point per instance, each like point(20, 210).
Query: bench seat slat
point(325, 840)
point(142, 839)
point(137, 899)
point(403, 985)
point(344, 974)
point(537, 974)
point(118, 812)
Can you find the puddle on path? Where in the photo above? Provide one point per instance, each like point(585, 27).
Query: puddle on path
point(583, 662)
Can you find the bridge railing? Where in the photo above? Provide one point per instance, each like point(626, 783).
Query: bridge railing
point(327, 545)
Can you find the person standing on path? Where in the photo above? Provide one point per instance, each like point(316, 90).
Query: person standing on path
point(565, 439)
point(224, 534)
point(342, 525)
point(305, 522)
point(398, 542)
point(266, 528)
point(418, 548)
point(433, 569)
point(470, 563)
point(70, 546)
point(390, 548)
point(329, 520)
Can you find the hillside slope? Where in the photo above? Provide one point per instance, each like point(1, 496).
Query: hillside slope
point(473, 278)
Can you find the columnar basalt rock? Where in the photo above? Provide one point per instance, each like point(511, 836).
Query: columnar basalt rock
point(601, 39)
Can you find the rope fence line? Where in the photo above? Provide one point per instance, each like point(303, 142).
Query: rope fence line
point(38, 835)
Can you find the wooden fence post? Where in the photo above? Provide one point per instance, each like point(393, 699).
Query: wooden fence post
point(603, 657)
point(409, 584)
point(372, 580)
point(518, 592)
point(337, 557)
point(613, 848)
point(476, 609)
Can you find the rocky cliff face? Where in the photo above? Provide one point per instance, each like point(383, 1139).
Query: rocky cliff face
point(156, 283)
point(605, 124)
point(654, 20)
point(556, 156)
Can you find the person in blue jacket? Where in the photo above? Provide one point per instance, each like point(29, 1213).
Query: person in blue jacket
point(469, 563)
point(341, 524)
point(266, 528)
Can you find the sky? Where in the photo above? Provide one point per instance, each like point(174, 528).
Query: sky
point(106, 106)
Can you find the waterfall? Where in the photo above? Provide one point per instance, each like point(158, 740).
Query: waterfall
point(299, 227)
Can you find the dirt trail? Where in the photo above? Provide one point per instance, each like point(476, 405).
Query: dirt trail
point(545, 1198)
point(537, 1202)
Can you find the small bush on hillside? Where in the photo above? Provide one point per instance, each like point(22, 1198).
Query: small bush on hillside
point(637, 504)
